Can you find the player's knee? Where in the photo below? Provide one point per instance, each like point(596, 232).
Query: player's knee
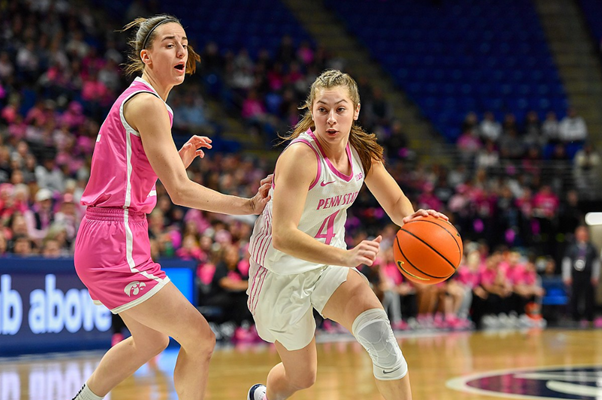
point(161, 344)
point(373, 331)
point(199, 340)
point(304, 380)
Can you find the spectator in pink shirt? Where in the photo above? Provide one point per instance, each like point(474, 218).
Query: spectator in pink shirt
point(74, 115)
point(252, 107)
point(94, 90)
point(394, 287)
point(545, 203)
point(498, 291)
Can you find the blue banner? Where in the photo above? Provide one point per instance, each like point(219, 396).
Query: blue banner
point(45, 307)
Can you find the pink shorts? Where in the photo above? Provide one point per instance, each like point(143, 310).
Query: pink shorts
point(112, 258)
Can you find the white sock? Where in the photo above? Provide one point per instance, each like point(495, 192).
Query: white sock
point(86, 394)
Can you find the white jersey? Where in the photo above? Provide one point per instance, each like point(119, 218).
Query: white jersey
point(324, 214)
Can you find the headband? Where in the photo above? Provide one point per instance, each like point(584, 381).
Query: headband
point(150, 32)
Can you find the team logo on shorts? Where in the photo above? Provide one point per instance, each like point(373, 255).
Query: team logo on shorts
point(569, 382)
point(133, 288)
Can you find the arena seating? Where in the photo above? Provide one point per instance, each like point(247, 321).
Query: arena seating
point(452, 58)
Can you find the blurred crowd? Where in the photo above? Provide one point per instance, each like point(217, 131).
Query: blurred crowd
point(60, 71)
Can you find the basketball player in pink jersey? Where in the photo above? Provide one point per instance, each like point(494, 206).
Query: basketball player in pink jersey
point(112, 252)
point(299, 260)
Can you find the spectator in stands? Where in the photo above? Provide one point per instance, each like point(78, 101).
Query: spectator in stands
point(22, 246)
point(469, 145)
point(510, 123)
point(532, 131)
point(40, 216)
point(68, 215)
point(228, 291)
point(191, 115)
point(580, 273)
point(469, 274)
point(511, 145)
point(396, 143)
point(471, 124)
point(52, 249)
point(586, 170)
point(489, 128)
point(550, 128)
point(572, 128)
point(394, 287)
point(498, 291)
point(523, 280)
point(570, 215)
point(487, 157)
point(49, 176)
point(6, 66)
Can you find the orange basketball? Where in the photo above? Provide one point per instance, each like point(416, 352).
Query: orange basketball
point(428, 250)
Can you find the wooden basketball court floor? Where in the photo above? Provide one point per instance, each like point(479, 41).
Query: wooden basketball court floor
point(536, 364)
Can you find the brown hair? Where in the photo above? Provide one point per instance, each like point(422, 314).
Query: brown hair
point(365, 143)
point(143, 39)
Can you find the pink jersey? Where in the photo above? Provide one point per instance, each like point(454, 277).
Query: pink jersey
point(121, 175)
point(468, 277)
point(393, 273)
point(490, 276)
point(520, 275)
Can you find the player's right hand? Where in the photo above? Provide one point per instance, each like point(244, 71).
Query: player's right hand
point(363, 253)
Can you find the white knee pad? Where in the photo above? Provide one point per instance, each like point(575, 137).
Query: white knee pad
point(373, 330)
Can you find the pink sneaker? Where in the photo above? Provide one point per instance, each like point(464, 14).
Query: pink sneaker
point(400, 325)
point(598, 322)
point(440, 322)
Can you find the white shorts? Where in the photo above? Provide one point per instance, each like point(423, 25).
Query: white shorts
point(282, 305)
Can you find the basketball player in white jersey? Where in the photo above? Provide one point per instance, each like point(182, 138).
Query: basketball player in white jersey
point(299, 259)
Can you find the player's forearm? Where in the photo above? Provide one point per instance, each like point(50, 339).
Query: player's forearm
point(402, 208)
point(300, 245)
point(197, 196)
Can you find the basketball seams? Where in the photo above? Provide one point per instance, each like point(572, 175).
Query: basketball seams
point(432, 248)
point(416, 268)
point(444, 228)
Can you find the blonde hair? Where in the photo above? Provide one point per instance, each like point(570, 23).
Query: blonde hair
point(143, 39)
point(364, 143)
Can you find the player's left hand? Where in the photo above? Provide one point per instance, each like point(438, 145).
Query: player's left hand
point(192, 149)
point(425, 213)
point(259, 201)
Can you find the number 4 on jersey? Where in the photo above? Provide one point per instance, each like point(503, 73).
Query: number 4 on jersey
point(328, 225)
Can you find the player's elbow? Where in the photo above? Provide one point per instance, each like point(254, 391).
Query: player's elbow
point(277, 242)
point(279, 239)
point(177, 194)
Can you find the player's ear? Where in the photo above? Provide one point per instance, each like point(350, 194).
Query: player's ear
point(145, 56)
point(356, 114)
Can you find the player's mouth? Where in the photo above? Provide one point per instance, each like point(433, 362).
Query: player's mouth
point(180, 67)
point(331, 131)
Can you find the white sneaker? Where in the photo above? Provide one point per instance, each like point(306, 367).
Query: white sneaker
point(257, 392)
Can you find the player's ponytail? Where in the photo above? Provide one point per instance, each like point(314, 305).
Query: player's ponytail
point(365, 143)
point(143, 39)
